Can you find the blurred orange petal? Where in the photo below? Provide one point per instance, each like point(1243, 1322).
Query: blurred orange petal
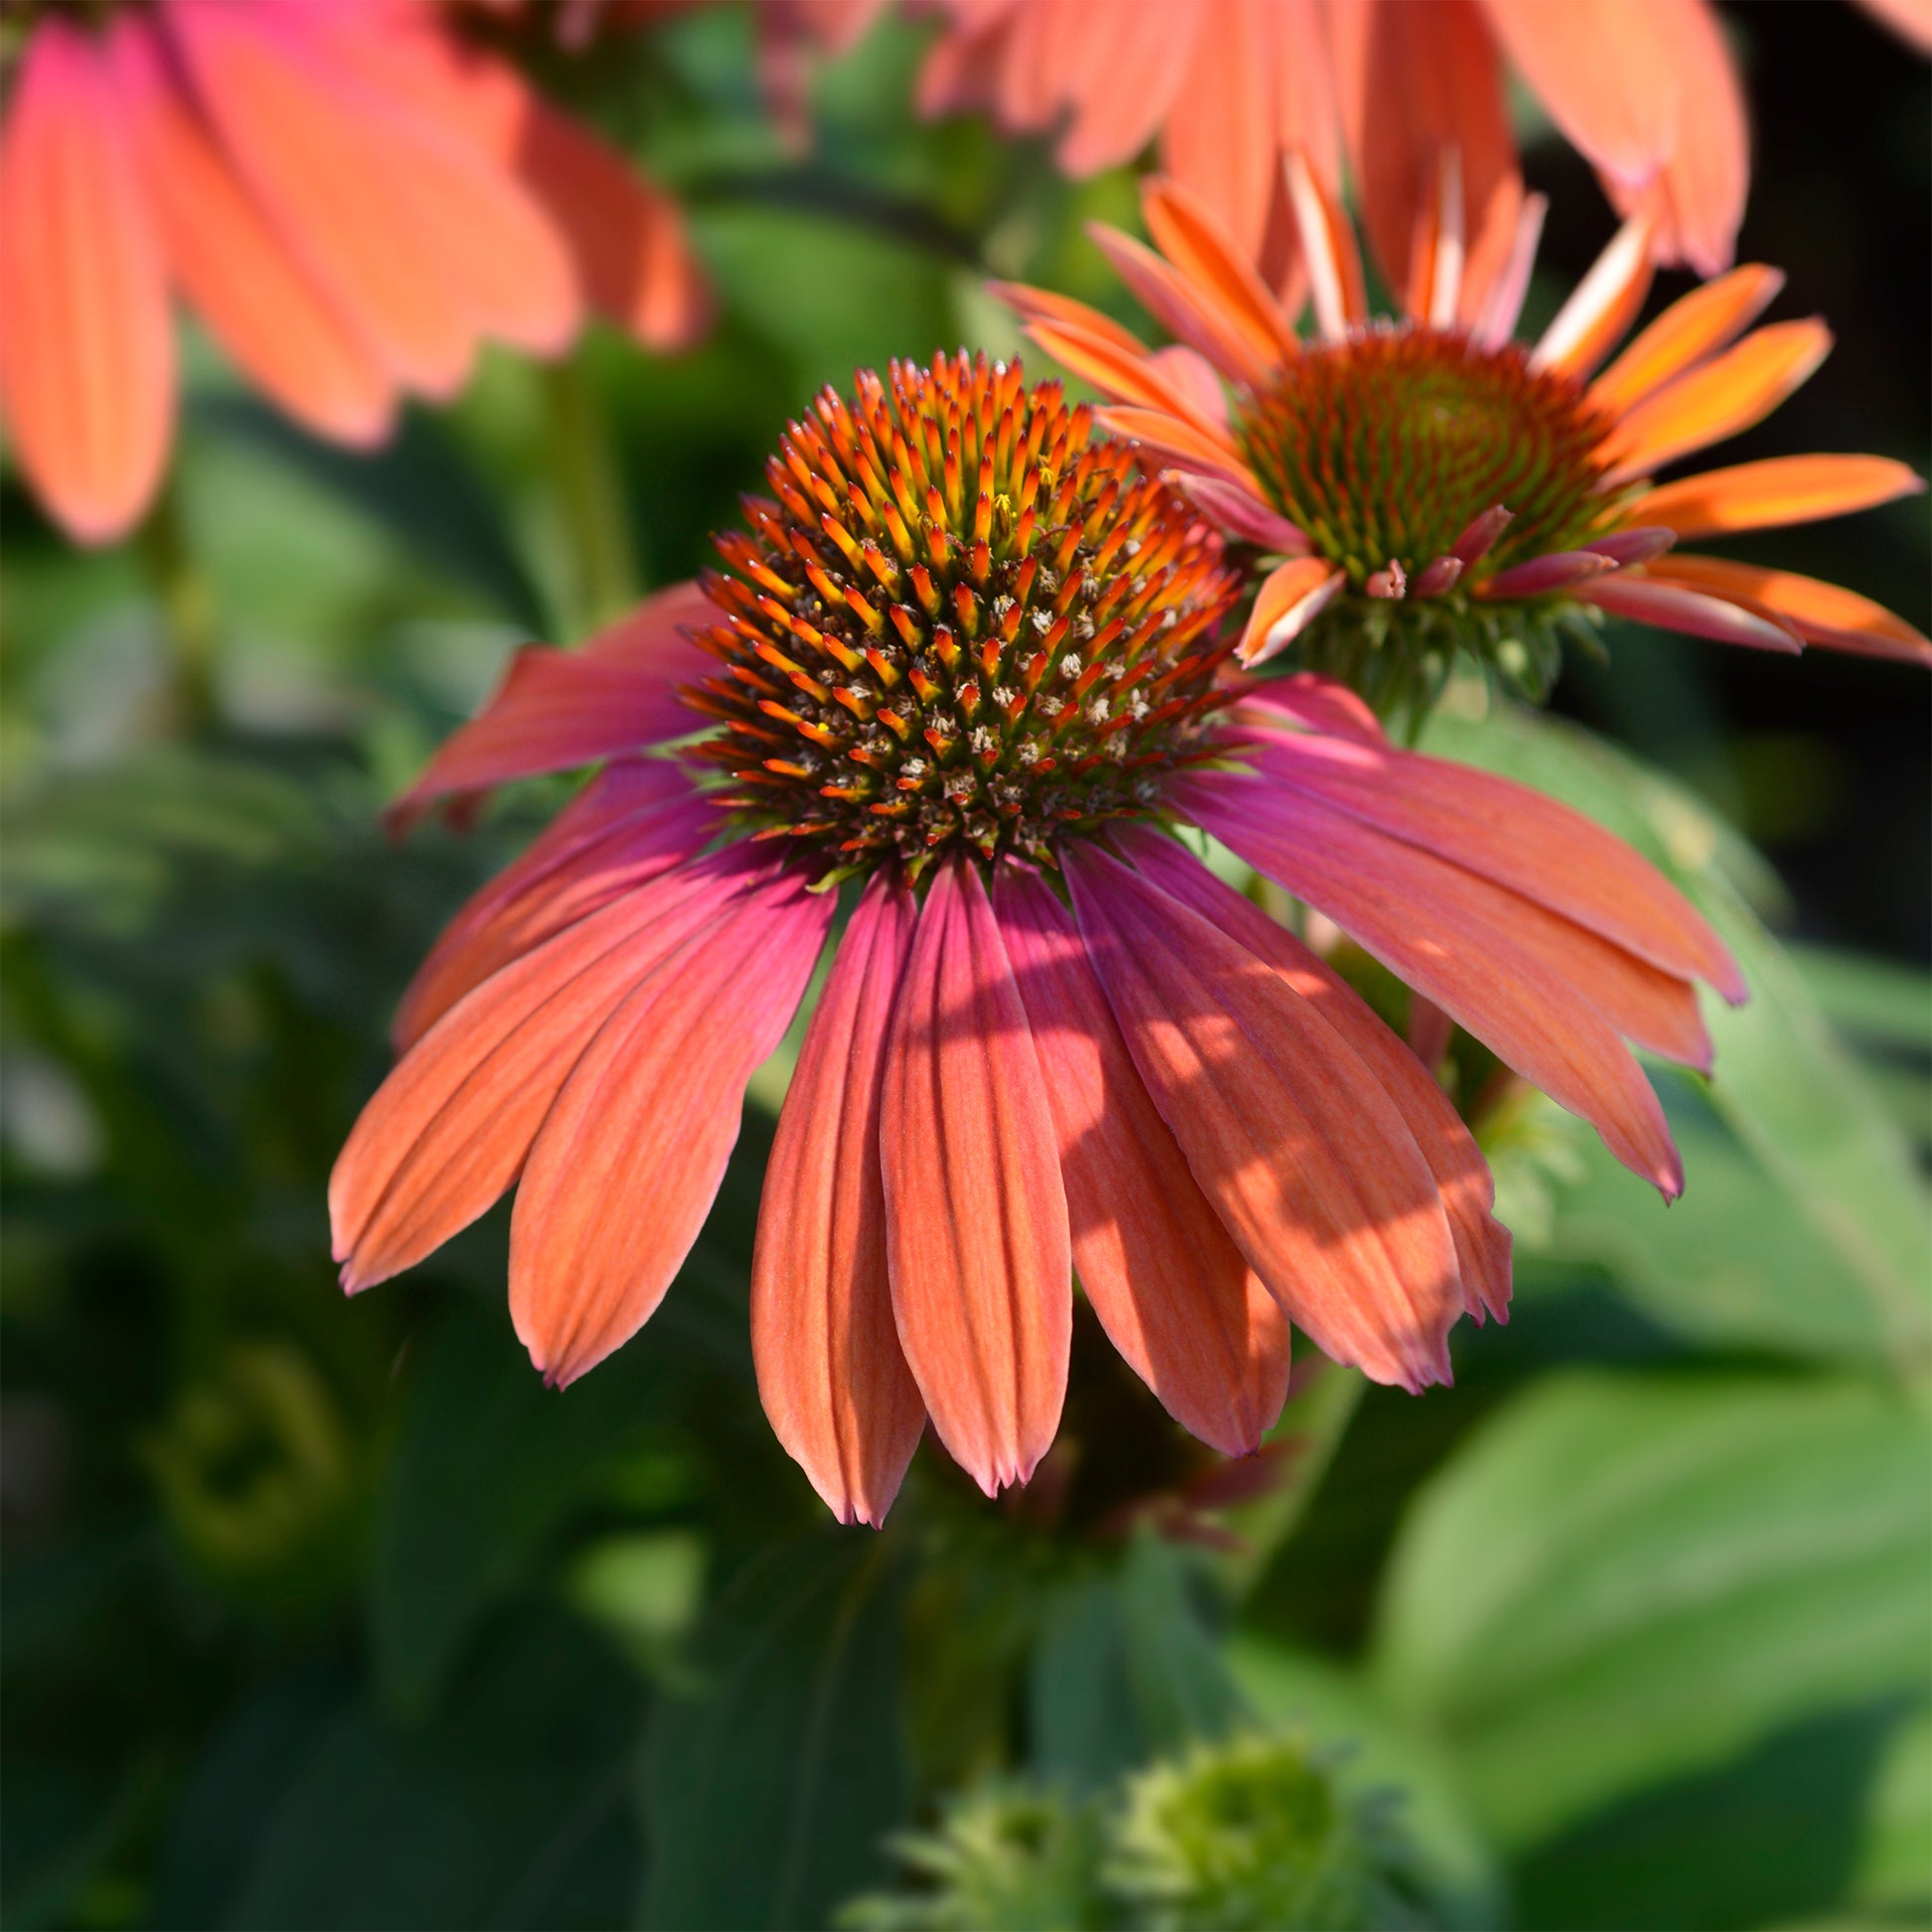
point(1822, 613)
point(1693, 327)
point(1777, 490)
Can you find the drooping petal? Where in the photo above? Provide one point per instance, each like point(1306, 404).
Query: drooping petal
point(831, 1373)
point(1291, 596)
point(626, 236)
point(1416, 79)
point(1177, 438)
point(1049, 306)
point(1693, 327)
point(1607, 71)
point(88, 364)
point(636, 819)
point(330, 165)
point(1821, 613)
point(1133, 59)
point(630, 1154)
point(1305, 1157)
point(1517, 837)
point(1673, 607)
point(556, 710)
point(448, 1131)
point(977, 1226)
point(1134, 379)
point(1461, 1173)
point(1910, 20)
point(1696, 201)
point(1478, 953)
point(1777, 490)
point(1170, 1289)
point(231, 264)
point(1718, 399)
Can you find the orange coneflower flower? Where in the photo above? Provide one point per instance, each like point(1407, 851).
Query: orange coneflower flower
point(350, 198)
point(1434, 484)
point(965, 655)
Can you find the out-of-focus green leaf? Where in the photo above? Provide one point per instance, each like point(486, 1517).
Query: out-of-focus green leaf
point(1791, 1092)
point(1733, 1263)
point(1770, 1840)
point(1894, 1867)
point(512, 1813)
point(54, 1828)
point(766, 1795)
point(417, 487)
point(1622, 1580)
point(1126, 1668)
point(489, 1464)
point(1374, 1751)
point(1871, 999)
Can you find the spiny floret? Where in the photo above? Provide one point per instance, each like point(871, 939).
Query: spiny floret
point(958, 617)
point(1385, 447)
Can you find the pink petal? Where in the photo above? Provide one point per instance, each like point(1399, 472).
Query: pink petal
point(1517, 837)
point(448, 1131)
point(1181, 308)
point(831, 1373)
point(1555, 570)
point(1231, 510)
point(1697, 614)
point(1484, 956)
point(1456, 1163)
point(1169, 1288)
point(1316, 703)
point(629, 1155)
point(977, 1226)
point(1304, 1155)
point(556, 710)
point(634, 820)
point(88, 365)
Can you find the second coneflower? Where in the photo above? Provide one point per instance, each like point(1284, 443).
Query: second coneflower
point(963, 665)
point(1431, 486)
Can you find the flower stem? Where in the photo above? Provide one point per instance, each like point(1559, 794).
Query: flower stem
point(188, 615)
point(590, 497)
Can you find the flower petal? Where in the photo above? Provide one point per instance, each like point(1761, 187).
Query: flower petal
point(1779, 490)
point(1179, 307)
point(1236, 514)
point(1693, 327)
point(1169, 1288)
point(1177, 438)
point(1305, 1157)
point(1317, 704)
point(629, 1155)
point(1196, 239)
point(1673, 607)
point(1046, 305)
point(831, 1373)
point(556, 710)
point(87, 365)
point(1461, 1173)
point(1601, 305)
point(1821, 613)
point(234, 267)
point(977, 1226)
point(328, 162)
point(1720, 398)
point(1418, 77)
point(448, 1131)
point(1291, 596)
point(1482, 963)
point(1132, 380)
point(636, 820)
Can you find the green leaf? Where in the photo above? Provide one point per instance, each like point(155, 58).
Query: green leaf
point(1784, 1083)
point(512, 1813)
point(1620, 1579)
point(488, 1465)
point(1127, 1668)
point(767, 1795)
point(1735, 1263)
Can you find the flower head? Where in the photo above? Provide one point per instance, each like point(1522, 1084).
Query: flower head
point(1051, 1041)
point(350, 198)
point(1432, 485)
